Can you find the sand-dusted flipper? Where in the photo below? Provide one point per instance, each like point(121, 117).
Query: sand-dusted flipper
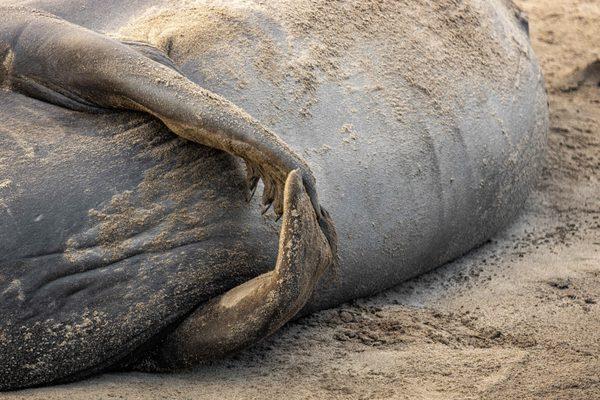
point(257, 308)
point(69, 65)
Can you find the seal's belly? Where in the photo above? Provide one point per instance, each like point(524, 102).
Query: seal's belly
point(111, 228)
point(121, 181)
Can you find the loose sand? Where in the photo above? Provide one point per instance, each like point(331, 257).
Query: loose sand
point(518, 318)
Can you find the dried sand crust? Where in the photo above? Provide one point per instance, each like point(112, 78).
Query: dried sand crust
point(330, 29)
point(518, 318)
point(320, 33)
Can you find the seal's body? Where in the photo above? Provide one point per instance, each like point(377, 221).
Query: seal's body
point(125, 235)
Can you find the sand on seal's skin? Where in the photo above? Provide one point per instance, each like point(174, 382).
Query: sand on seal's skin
point(517, 319)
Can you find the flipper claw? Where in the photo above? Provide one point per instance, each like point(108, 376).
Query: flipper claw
point(257, 308)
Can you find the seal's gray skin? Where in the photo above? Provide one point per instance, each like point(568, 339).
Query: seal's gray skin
point(123, 245)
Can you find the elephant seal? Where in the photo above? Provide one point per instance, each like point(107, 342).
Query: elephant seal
point(126, 238)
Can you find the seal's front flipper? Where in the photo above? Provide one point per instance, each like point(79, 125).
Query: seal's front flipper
point(84, 68)
point(257, 308)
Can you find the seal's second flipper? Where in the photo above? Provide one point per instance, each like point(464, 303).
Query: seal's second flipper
point(257, 308)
